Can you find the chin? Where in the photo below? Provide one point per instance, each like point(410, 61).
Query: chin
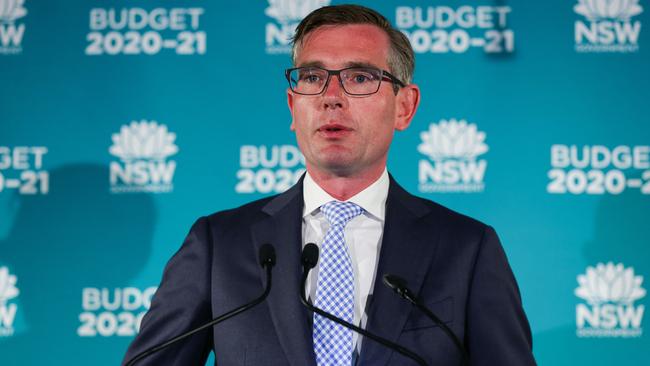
point(339, 167)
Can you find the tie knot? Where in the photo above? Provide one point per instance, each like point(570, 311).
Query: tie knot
point(339, 213)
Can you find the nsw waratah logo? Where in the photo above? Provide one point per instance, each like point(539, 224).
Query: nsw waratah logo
point(287, 14)
point(608, 27)
point(143, 149)
point(11, 32)
point(10, 10)
point(610, 291)
point(603, 9)
point(8, 291)
point(453, 147)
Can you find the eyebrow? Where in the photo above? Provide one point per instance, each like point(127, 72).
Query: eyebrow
point(346, 65)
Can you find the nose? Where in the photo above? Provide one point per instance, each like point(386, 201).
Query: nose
point(334, 95)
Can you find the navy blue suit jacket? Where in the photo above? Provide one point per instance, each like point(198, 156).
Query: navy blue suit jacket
point(455, 264)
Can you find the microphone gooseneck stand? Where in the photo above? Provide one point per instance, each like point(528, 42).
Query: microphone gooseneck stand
point(267, 260)
point(309, 260)
point(400, 286)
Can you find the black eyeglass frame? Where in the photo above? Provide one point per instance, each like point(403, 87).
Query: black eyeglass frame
point(397, 83)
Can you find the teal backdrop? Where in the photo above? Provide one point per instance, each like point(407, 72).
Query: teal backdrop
point(122, 122)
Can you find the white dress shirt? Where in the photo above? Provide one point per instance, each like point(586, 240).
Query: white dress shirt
point(362, 237)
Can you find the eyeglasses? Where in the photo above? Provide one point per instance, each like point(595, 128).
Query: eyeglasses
point(357, 81)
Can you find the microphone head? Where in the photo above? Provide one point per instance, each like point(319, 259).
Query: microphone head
point(267, 255)
point(310, 255)
point(397, 283)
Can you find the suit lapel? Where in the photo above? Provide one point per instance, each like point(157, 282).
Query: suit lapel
point(283, 228)
point(407, 249)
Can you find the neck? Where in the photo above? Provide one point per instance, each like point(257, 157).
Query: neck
point(344, 187)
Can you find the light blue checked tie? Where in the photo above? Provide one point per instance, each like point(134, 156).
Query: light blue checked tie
point(335, 291)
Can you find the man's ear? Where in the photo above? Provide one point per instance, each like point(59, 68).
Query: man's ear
point(408, 99)
point(290, 97)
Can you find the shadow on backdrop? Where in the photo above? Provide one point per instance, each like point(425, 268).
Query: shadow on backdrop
point(621, 236)
point(79, 235)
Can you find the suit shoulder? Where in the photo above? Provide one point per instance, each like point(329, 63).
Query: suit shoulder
point(252, 212)
point(456, 230)
point(246, 213)
point(434, 213)
point(452, 219)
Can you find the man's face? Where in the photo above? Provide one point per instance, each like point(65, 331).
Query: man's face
point(341, 134)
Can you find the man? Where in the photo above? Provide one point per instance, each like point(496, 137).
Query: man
point(349, 91)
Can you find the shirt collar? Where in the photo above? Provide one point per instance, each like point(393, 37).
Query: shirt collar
point(372, 199)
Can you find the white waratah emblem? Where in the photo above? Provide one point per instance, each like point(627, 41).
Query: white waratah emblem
point(610, 283)
point(604, 9)
point(452, 139)
point(8, 288)
point(11, 10)
point(285, 11)
point(143, 139)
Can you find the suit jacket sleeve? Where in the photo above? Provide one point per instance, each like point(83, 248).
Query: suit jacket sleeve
point(497, 329)
point(182, 302)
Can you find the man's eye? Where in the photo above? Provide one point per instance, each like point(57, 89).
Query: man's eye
point(360, 78)
point(310, 78)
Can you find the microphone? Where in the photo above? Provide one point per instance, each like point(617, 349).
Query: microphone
point(267, 260)
point(400, 286)
point(309, 260)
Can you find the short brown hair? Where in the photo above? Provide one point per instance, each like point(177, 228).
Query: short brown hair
point(401, 60)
